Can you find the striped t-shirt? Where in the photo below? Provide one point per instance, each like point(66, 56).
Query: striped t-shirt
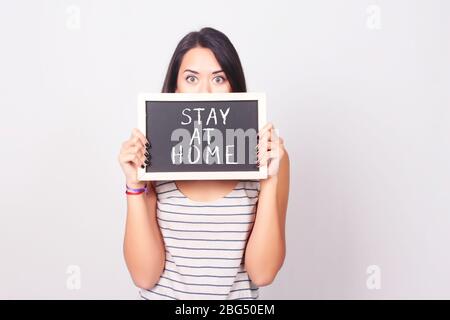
point(205, 244)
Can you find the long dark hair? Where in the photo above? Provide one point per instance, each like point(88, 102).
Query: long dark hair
point(223, 50)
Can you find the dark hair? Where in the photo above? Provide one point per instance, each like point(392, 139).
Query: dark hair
point(223, 50)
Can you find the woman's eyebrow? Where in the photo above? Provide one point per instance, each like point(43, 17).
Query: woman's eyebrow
point(189, 70)
point(218, 71)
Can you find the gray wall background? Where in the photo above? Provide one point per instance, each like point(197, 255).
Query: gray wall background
point(363, 104)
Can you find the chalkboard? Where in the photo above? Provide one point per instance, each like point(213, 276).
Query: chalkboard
point(202, 136)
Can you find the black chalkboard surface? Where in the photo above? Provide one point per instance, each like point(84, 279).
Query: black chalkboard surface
point(202, 136)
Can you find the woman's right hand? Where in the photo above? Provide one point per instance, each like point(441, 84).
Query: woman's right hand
point(133, 154)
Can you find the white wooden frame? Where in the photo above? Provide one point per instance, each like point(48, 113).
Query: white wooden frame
point(201, 175)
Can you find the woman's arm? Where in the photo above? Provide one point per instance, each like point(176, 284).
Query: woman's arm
point(144, 249)
point(143, 246)
point(265, 250)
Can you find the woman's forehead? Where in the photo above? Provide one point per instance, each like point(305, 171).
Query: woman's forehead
point(201, 60)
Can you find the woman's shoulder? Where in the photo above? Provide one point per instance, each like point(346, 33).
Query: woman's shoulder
point(163, 186)
point(249, 185)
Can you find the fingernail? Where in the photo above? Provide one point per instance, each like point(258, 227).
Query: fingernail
point(142, 166)
point(146, 154)
point(147, 162)
point(147, 144)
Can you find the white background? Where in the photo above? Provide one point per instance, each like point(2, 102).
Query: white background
point(364, 110)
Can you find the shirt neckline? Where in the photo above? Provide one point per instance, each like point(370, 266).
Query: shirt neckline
point(205, 202)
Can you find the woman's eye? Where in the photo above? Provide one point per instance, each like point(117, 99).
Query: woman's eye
point(191, 79)
point(219, 79)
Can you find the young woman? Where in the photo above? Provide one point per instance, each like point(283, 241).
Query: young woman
point(205, 239)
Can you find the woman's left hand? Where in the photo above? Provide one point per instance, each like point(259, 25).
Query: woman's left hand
point(270, 149)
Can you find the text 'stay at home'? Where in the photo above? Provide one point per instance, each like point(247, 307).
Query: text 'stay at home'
point(206, 143)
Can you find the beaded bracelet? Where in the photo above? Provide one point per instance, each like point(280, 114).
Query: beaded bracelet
point(132, 191)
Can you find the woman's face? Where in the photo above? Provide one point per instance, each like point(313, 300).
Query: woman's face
point(201, 73)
